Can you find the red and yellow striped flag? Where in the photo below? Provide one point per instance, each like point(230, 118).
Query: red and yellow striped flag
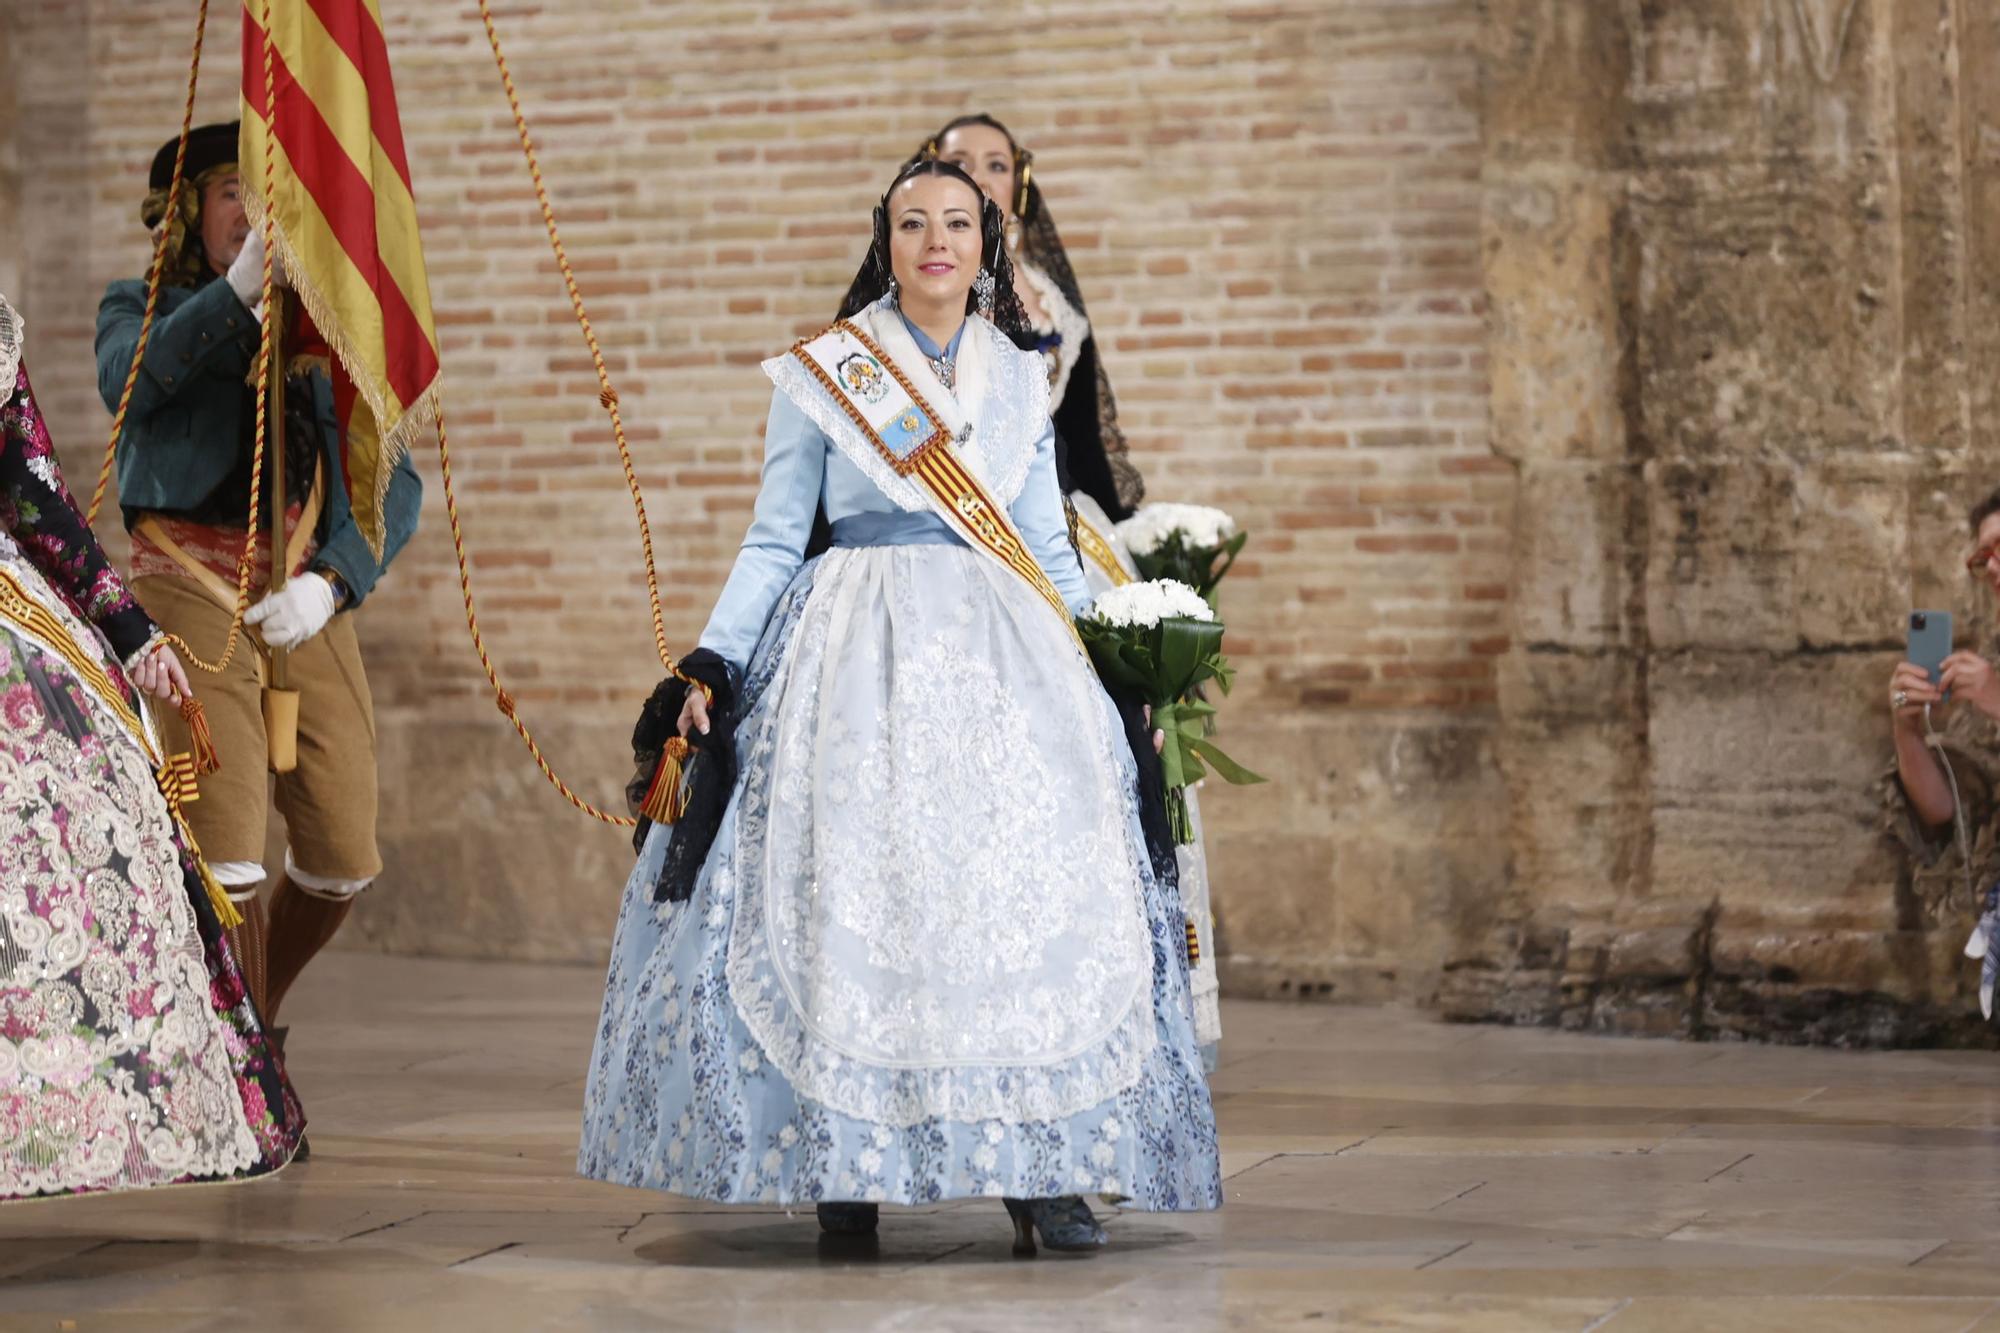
point(345, 220)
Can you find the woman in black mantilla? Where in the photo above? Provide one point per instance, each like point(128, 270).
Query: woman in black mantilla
point(1102, 486)
point(1086, 415)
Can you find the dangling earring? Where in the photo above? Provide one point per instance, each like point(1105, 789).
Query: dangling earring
point(982, 289)
point(894, 292)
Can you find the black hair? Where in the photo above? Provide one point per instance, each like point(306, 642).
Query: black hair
point(873, 278)
point(1984, 510)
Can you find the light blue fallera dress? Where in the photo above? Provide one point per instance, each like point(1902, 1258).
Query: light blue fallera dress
point(927, 957)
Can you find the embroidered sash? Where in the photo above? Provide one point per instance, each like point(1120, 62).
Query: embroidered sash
point(913, 440)
point(1096, 547)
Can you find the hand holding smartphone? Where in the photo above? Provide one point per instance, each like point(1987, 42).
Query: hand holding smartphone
point(1930, 643)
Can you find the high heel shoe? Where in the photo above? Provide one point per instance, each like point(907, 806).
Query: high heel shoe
point(1065, 1224)
point(849, 1219)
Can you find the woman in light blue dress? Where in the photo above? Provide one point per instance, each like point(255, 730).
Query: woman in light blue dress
point(912, 940)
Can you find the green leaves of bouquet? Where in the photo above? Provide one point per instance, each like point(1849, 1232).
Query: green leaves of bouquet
point(1161, 639)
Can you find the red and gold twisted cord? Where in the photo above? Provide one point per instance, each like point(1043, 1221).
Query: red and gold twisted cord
point(153, 274)
point(608, 397)
point(246, 560)
point(500, 695)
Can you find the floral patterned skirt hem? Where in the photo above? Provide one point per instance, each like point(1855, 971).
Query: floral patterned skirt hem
point(681, 1100)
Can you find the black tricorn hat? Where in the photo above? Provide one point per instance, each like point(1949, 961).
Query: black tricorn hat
point(208, 146)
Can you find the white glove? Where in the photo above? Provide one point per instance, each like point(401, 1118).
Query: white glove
point(246, 273)
point(295, 613)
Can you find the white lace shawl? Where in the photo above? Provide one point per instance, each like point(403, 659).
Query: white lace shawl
point(1009, 390)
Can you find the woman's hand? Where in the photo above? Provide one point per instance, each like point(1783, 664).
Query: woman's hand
point(160, 674)
point(1159, 737)
point(694, 713)
point(1970, 677)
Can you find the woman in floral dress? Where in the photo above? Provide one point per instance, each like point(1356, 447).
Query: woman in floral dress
point(130, 1055)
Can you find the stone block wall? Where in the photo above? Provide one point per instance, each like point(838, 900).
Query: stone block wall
point(1741, 299)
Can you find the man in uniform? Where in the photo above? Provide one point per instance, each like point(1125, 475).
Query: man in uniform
point(184, 467)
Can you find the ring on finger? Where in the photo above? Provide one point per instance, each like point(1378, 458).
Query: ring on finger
point(1899, 699)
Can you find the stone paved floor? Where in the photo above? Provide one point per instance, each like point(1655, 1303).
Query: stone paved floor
point(1385, 1172)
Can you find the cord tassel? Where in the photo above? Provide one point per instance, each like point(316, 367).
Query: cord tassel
point(667, 798)
point(201, 741)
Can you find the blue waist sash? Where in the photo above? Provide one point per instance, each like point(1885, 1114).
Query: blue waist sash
point(874, 528)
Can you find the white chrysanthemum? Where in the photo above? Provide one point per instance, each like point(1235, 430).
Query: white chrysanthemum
point(1144, 605)
point(1199, 526)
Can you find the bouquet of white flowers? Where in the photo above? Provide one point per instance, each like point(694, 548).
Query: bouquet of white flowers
point(1161, 639)
point(1183, 543)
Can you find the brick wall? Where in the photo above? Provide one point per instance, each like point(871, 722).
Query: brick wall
point(1274, 212)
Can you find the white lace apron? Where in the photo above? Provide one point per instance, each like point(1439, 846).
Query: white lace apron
point(935, 895)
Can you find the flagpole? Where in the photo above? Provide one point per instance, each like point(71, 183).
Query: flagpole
point(276, 463)
point(281, 703)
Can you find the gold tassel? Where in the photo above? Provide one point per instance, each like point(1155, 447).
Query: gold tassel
point(1194, 946)
point(667, 798)
point(201, 741)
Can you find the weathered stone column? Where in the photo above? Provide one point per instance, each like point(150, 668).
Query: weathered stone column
point(1736, 302)
point(1572, 689)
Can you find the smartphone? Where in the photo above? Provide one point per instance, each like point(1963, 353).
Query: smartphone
point(1930, 642)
